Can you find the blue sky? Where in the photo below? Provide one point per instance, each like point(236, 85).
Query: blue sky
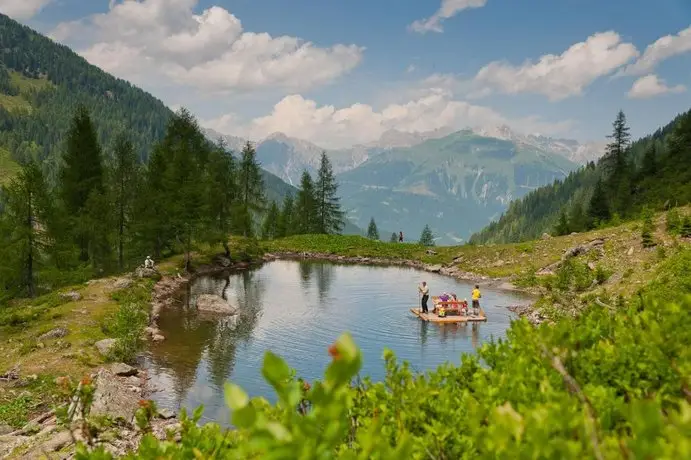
point(369, 69)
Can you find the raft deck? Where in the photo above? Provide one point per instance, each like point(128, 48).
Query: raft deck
point(433, 318)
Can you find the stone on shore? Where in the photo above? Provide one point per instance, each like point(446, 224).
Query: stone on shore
point(104, 346)
point(56, 333)
point(113, 398)
point(123, 370)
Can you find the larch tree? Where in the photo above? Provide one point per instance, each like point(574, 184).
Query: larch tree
point(372, 231)
point(329, 216)
point(618, 166)
point(251, 198)
point(394, 238)
point(81, 175)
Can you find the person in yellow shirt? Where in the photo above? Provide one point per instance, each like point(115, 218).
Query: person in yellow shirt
point(476, 300)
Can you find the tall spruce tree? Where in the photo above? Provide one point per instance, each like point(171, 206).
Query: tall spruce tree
point(270, 224)
point(372, 232)
point(426, 237)
point(286, 219)
point(618, 166)
point(647, 229)
point(598, 210)
point(394, 238)
point(223, 191)
point(578, 221)
point(25, 225)
point(562, 227)
point(305, 206)
point(251, 198)
point(153, 229)
point(329, 217)
point(124, 176)
point(81, 174)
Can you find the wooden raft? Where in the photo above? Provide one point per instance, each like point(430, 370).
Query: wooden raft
point(433, 318)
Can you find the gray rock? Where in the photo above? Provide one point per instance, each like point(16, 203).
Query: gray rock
point(433, 268)
point(123, 370)
point(630, 251)
point(58, 442)
point(104, 346)
point(546, 236)
point(31, 428)
point(133, 381)
point(123, 283)
point(215, 304)
point(71, 296)
point(54, 334)
point(152, 331)
point(113, 398)
point(166, 414)
point(142, 272)
point(158, 338)
point(5, 429)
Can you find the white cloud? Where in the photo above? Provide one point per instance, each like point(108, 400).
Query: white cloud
point(663, 48)
point(564, 75)
point(651, 86)
point(147, 40)
point(448, 9)
point(332, 127)
point(22, 9)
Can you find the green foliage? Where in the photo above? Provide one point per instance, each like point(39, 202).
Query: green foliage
point(329, 216)
point(574, 275)
point(686, 227)
point(673, 221)
point(394, 238)
point(271, 222)
point(562, 227)
point(251, 195)
point(286, 220)
point(647, 229)
point(372, 232)
point(305, 207)
point(128, 322)
point(598, 209)
point(14, 413)
point(426, 237)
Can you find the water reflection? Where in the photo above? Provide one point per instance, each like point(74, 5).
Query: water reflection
point(297, 309)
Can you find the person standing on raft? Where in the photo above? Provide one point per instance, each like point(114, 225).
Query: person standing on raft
point(476, 300)
point(424, 290)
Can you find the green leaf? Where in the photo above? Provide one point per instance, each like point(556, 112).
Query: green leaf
point(275, 370)
point(236, 398)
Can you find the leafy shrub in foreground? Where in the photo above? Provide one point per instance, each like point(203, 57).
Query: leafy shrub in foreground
point(603, 385)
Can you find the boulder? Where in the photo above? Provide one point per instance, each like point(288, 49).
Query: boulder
point(158, 338)
point(112, 398)
point(58, 442)
point(143, 272)
point(166, 414)
point(56, 333)
point(5, 429)
point(215, 304)
point(104, 346)
point(433, 268)
point(123, 283)
point(71, 296)
point(123, 370)
point(630, 251)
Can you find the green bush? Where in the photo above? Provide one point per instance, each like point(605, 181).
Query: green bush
point(128, 323)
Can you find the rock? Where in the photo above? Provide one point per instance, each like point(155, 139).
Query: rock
point(166, 414)
point(223, 261)
point(132, 380)
point(142, 272)
point(546, 236)
point(152, 331)
point(215, 304)
point(123, 283)
point(431, 252)
point(433, 268)
point(113, 398)
point(591, 266)
point(56, 333)
point(123, 370)
point(158, 338)
point(5, 429)
point(71, 296)
point(630, 251)
point(30, 428)
point(104, 346)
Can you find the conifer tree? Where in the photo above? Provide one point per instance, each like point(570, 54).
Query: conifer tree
point(562, 227)
point(270, 224)
point(222, 197)
point(673, 221)
point(26, 216)
point(618, 167)
point(251, 199)
point(426, 237)
point(329, 217)
point(372, 232)
point(686, 227)
point(124, 174)
point(649, 165)
point(285, 219)
point(394, 238)
point(305, 206)
point(598, 211)
point(152, 226)
point(81, 174)
point(578, 221)
point(647, 229)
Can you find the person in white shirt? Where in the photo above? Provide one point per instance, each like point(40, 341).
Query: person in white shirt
point(424, 290)
point(149, 262)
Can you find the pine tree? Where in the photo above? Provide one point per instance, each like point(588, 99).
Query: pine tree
point(222, 176)
point(618, 167)
point(394, 238)
point(578, 221)
point(151, 213)
point(270, 224)
point(686, 227)
point(305, 206)
point(673, 221)
point(250, 189)
point(598, 211)
point(26, 216)
point(649, 165)
point(81, 174)
point(372, 232)
point(647, 229)
point(562, 227)
point(329, 217)
point(285, 225)
point(124, 175)
point(426, 237)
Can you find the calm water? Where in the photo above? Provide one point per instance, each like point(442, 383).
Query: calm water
point(297, 309)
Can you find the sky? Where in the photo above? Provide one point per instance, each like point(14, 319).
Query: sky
point(340, 73)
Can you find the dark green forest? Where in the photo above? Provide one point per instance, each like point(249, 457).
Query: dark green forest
point(42, 84)
point(652, 173)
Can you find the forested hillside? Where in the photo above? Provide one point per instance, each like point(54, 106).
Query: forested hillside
point(653, 172)
point(41, 85)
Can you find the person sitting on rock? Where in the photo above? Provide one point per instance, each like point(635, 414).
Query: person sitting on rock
point(149, 263)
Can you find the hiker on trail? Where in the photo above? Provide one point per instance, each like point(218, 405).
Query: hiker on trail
point(148, 263)
point(476, 300)
point(424, 290)
point(400, 237)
